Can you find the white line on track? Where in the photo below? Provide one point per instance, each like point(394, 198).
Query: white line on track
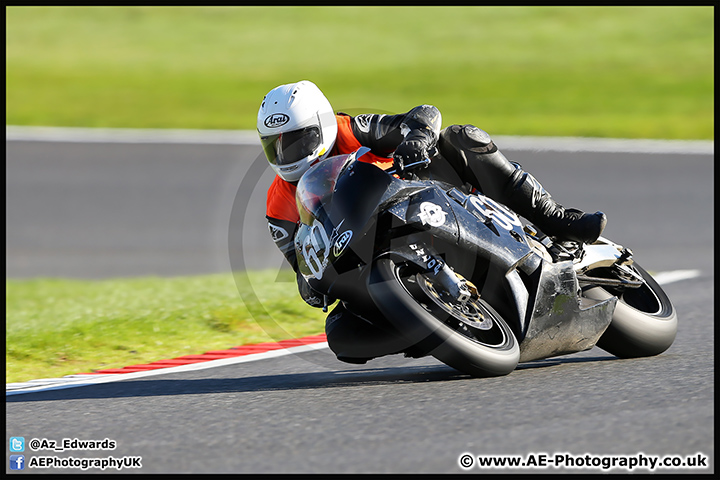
point(249, 138)
point(81, 380)
point(663, 278)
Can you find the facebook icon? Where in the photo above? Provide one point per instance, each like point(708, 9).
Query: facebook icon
point(17, 462)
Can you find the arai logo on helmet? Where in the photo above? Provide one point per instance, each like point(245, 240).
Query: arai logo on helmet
point(276, 120)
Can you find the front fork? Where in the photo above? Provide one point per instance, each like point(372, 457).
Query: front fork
point(437, 269)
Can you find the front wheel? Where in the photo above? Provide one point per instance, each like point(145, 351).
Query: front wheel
point(644, 322)
point(469, 336)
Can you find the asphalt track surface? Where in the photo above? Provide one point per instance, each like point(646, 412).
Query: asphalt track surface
point(92, 210)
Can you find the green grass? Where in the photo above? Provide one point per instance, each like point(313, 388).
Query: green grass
point(57, 327)
point(633, 72)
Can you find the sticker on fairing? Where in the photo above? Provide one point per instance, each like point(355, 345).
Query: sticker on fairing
point(342, 241)
point(316, 247)
point(496, 212)
point(432, 214)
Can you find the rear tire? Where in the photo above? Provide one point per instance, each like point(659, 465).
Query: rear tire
point(644, 323)
point(471, 337)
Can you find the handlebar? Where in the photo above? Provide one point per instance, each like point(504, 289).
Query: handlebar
point(411, 166)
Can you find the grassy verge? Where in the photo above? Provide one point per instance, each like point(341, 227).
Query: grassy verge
point(58, 327)
point(634, 72)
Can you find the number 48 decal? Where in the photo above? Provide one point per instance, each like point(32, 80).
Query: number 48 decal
point(495, 211)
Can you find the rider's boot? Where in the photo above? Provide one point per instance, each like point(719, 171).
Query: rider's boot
point(528, 198)
point(473, 154)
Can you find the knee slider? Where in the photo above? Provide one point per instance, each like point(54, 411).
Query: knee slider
point(471, 138)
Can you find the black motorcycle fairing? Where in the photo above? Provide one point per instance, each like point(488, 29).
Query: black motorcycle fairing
point(470, 222)
point(338, 201)
point(369, 238)
point(357, 218)
point(353, 211)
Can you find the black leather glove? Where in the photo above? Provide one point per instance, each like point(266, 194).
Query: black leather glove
point(408, 152)
point(312, 297)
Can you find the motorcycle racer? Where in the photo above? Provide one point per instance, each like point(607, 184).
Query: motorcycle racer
point(298, 127)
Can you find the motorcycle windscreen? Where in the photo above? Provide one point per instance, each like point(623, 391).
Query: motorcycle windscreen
point(317, 185)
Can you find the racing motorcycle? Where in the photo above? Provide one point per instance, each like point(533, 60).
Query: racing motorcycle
point(463, 279)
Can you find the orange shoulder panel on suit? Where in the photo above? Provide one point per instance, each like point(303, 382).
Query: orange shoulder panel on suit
point(281, 201)
point(281, 194)
point(347, 143)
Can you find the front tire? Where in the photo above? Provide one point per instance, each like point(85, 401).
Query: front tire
point(470, 337)
point(644, 323)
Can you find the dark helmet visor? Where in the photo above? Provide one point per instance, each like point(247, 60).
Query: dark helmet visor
point(289, 147)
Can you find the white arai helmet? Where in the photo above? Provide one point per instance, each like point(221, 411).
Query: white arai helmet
point(297, 127)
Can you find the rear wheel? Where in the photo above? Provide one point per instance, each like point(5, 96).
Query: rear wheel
point(644, 322)
point(469, 336)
